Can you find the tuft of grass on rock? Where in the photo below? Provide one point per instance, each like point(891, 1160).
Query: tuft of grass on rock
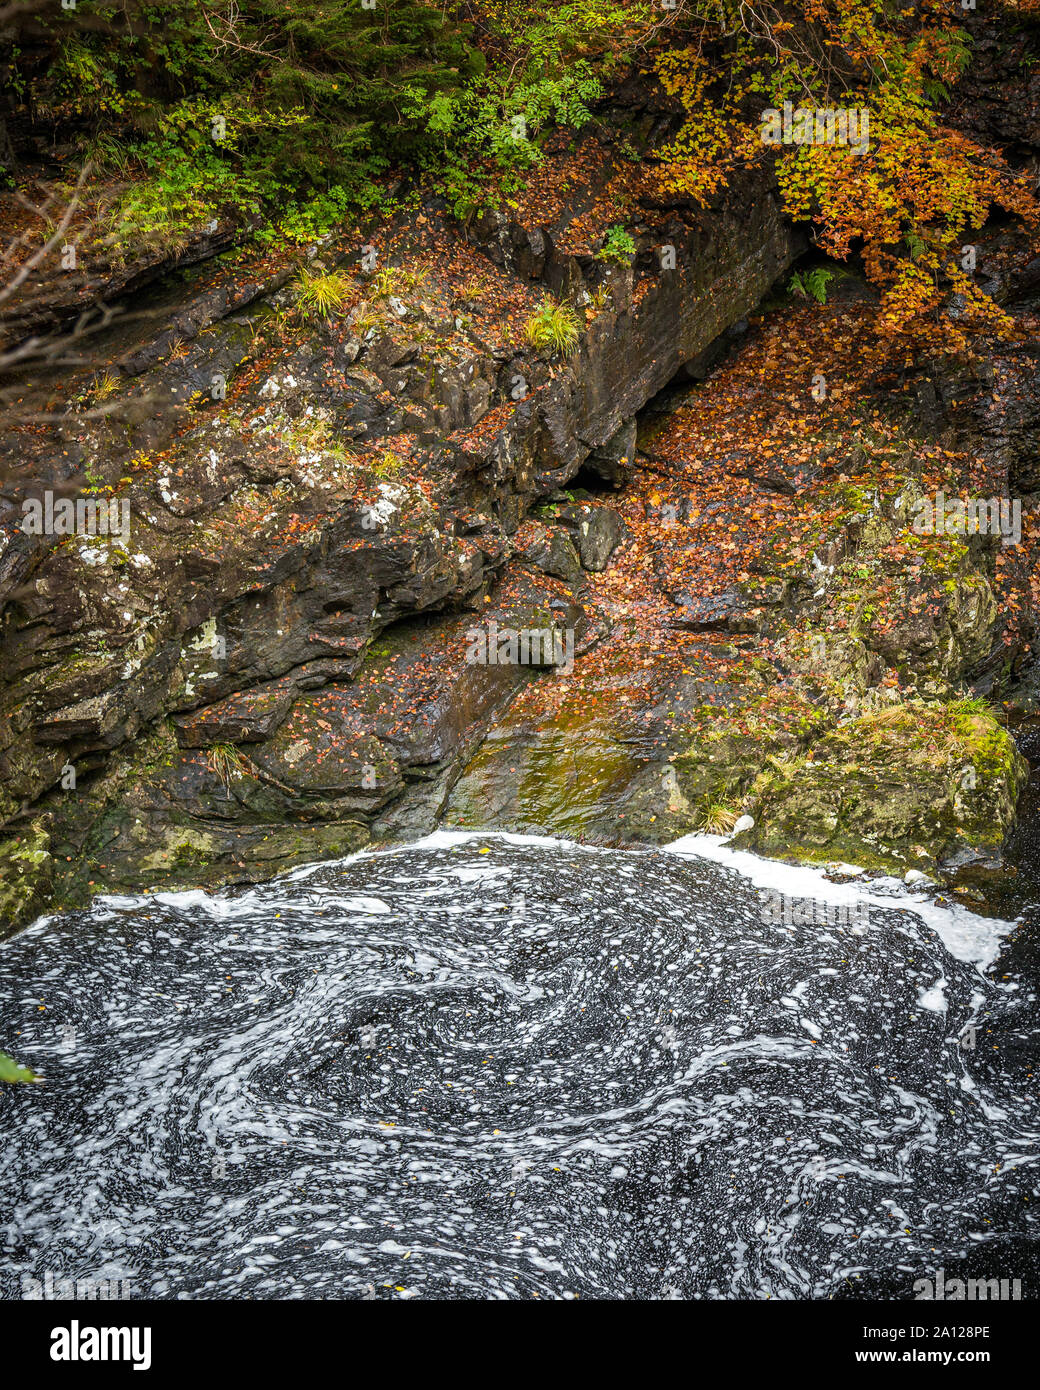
point(389, 465)
point(320, 294)
point(716, 817)
point(226, 762)
point(554, 326)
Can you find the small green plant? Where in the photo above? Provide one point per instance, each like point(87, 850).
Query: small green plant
point(389, 465)
point(108, 156)
point(312, 218)
point(95, 478)
point(321, 293)
point(11, 1071)
point(316, 437)
point(471, 290)
point(104, 386)
point(309, 433)
point(811, 284)
point(226, 762)
point(415, 278)
point(365, 319)
point(617, 246)
point(553, 325)
point(384, 282)
point(782, 763)
point(916, 245)
point(972, 707)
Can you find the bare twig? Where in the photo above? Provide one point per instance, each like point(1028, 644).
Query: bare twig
point(38, 257)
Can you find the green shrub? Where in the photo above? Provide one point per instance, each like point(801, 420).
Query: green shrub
point(268, 106)
point(618, 246)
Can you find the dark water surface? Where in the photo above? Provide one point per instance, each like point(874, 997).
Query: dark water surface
point(499, 1068)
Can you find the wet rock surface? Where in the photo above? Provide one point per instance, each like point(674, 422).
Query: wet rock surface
point(803, 662)
point(275, 663)
point(309, 486)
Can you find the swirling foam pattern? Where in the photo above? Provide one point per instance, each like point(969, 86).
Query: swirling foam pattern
point(501, 1069)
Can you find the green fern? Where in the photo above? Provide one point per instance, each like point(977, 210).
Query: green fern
point(811, 284)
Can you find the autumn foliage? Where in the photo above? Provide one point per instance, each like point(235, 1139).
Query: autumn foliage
point(318, 111)
point(911, 202)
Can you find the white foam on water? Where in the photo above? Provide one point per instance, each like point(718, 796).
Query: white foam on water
point(371, 906)
point(378, 1072)
point(967, 935)
point(449, 839)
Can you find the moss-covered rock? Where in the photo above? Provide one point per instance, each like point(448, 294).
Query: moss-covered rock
point(903, 787)
point(26, 873)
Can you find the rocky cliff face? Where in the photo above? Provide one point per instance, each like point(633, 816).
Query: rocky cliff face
point(790, 651)
point(269, 664)
point(317, 628)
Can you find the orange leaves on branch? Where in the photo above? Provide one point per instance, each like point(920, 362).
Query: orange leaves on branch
point(910, 196)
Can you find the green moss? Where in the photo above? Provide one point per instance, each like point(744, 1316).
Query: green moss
point(569, 777)
point(181, 847)
point(902, 787)
point(26, 871)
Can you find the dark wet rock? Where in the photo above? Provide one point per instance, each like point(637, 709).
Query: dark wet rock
point(971, 868)
point(704, 613)
point(615, 461)
point(105, 277)
point(742, 608)
point(698, 368)
point(316, 763)
point(553, 552)
point(597, 532)
point(998, 98)
point(208, 308)
point(250, 717)
point(272, 546)
point(784, 476)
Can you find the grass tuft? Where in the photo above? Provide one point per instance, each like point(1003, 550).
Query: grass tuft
point(321, 293)
point(554, 326)
point(227, 762)
point(717, 817)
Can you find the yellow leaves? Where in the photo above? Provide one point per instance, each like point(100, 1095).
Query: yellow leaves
point(911, 200)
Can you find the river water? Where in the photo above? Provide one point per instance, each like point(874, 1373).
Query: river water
point(505, 1067)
